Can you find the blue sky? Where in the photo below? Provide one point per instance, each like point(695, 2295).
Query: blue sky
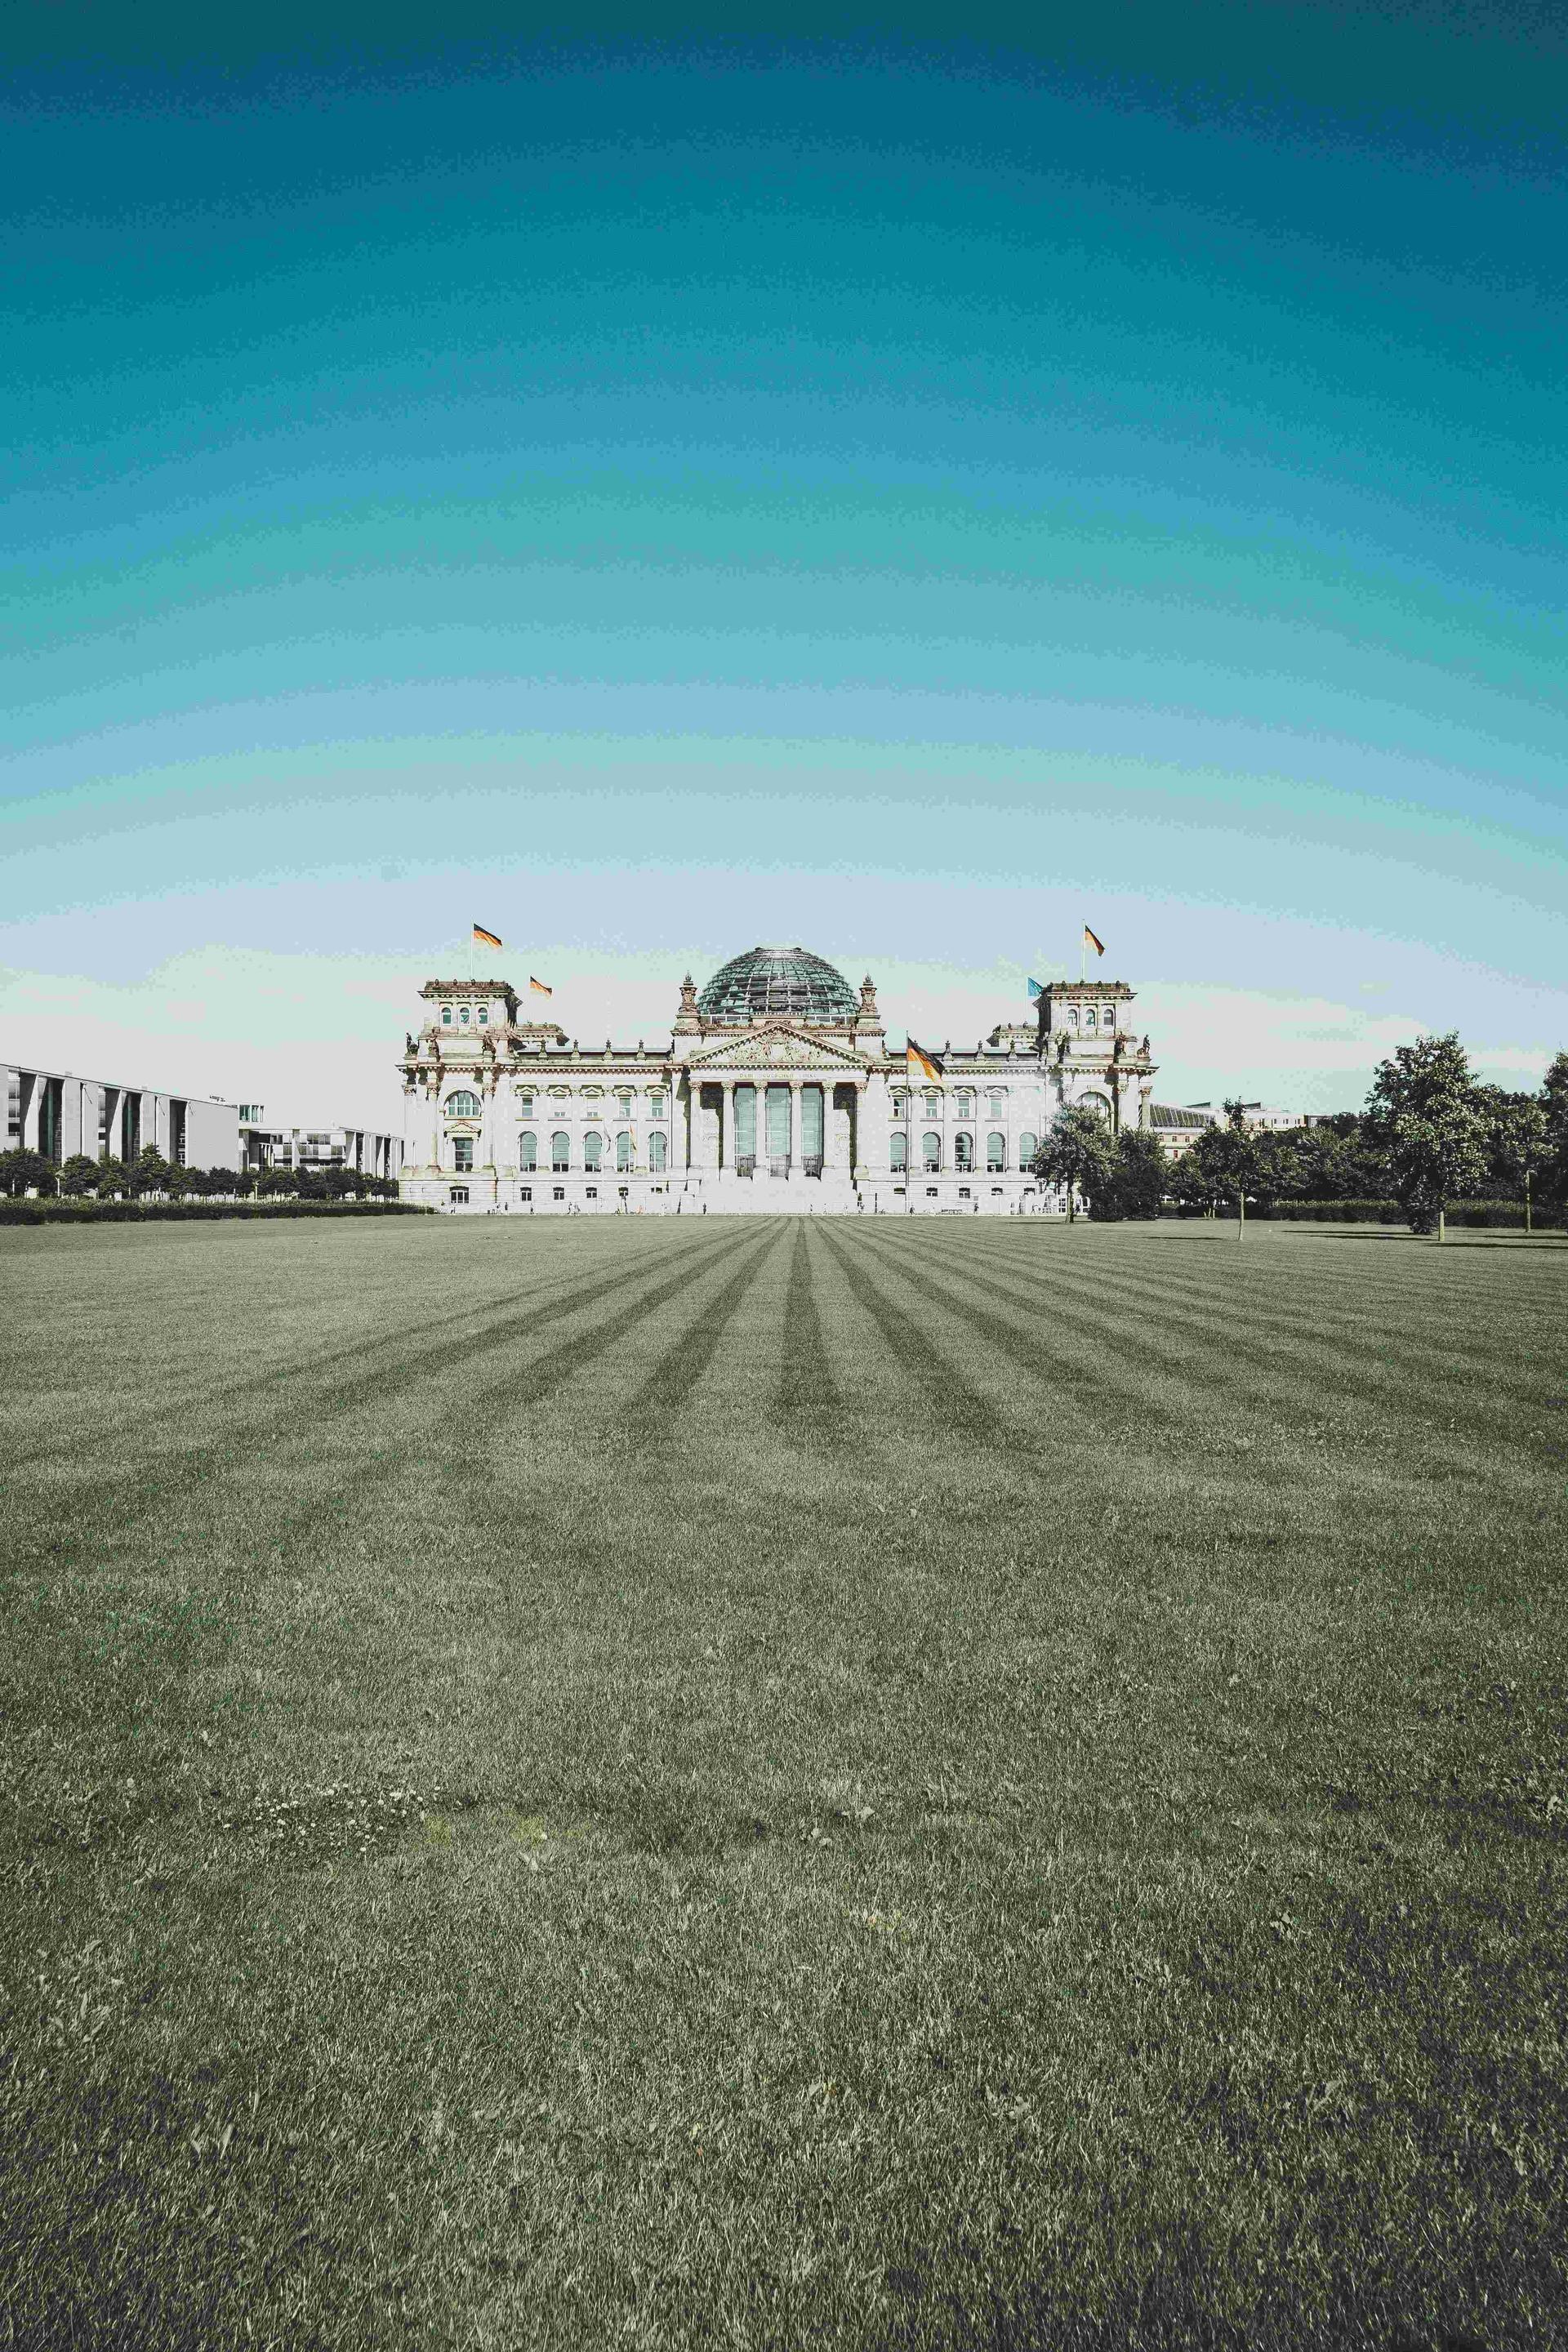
point(908, 496)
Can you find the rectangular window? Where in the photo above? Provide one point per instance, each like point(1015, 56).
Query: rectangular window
point(558, 1191)
point(463, 1151)
point(525, 1193)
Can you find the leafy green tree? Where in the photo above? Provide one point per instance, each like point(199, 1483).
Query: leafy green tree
point(274, 1183)
point(1136, 1179)
point(26, 1172)
point(78, 1175)
point(1077, 1152)
point(221, 1182)
point(1424, 1107)
point(1518, 1143)
point(109, 1178)
point(1228, 1160)
point(1554, 1105)
point(148, 1173)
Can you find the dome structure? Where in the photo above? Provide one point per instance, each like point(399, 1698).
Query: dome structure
point(790, 981)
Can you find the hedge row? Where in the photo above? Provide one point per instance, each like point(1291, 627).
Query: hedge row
point(1508, 1214)
point(190, 1212)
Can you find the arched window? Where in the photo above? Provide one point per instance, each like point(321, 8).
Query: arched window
point(899, 1153)
point(1096, 1104)
point(623, 1150)
point(445, 1016)
point(528, 1153)
point(998, 1103)
point(655, 1153)
point(462, 1012)
point(963, 1153)
point(1028, 1146)
point(484, 1014)
point(963, 1104)
point(933, 1103)
point(560, 1151)
point(462, 1105)
point(995, 1152)
point(593, 1152)
point(930, 1153)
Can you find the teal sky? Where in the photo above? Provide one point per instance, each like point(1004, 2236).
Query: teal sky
point(906, 496)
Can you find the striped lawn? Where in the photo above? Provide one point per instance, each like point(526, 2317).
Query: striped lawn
point(763, 1782)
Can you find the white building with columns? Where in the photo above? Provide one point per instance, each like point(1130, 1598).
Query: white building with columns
point(776, 1091)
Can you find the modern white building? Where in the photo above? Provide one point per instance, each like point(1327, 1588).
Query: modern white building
point(776, 1091)
point(57, 1113)
point(368, 1151)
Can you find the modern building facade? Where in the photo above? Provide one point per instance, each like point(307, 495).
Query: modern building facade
point(59, 1115)
point(368, 1151)
point(776, 1091)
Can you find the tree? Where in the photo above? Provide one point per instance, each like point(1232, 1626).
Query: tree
point(222, 1181)
point(148, 1173)
point(1136, 1179)
point(1077, 1152)
point(1518, 1144)
point(78, 1175)
point(1226, 1161)
point(1555, 1105)
point(1422, 1105)
point(26, 1172)
point(108, 1179)
point(274, 1182)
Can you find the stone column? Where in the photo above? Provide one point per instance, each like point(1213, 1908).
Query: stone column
point(795, 1124)
point(727, 1124)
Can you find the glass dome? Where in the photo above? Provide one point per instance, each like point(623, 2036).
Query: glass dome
point(778, 980)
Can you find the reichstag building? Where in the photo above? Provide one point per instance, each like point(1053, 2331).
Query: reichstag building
point(776, 1091)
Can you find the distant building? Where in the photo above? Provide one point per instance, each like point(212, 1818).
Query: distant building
point(775, 1092)
point(367, 1152)
point(1177, 1129)
point(57, 1113)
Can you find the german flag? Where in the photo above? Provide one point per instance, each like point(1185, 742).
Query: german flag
point(483, 939)
point(538, 987)
point(919, 1065)
point(1091, 942)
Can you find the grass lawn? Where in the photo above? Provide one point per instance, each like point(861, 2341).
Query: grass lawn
point(740, 1783)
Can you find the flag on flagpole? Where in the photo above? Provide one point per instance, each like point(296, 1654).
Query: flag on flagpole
point(1035, 989)
point(919, 1065)
point(538, 987)
point(483, 939)
point(1091, 942)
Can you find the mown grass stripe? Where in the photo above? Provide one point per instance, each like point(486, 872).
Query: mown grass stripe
point(679, 1369)
point(1254, 1375)
point(1331, 1322)
point(968, 1412)
point(181, 1469)
point(806, 1384)
point(395, 1346)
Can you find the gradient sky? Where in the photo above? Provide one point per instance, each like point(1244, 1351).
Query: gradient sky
point(903, 496)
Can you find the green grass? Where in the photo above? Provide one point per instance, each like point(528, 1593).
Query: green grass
point(854, 1784)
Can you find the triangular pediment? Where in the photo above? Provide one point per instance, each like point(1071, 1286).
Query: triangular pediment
point(776, 1047)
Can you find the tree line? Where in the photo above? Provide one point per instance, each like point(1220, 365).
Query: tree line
point(150, 1177)
point(1431, 1134)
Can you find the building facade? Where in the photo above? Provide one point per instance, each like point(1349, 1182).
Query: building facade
point(776, 1091)
point(367, 1152)
point(56, 1113)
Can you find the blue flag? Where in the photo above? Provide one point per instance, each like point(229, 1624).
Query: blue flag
point(1035, 989)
